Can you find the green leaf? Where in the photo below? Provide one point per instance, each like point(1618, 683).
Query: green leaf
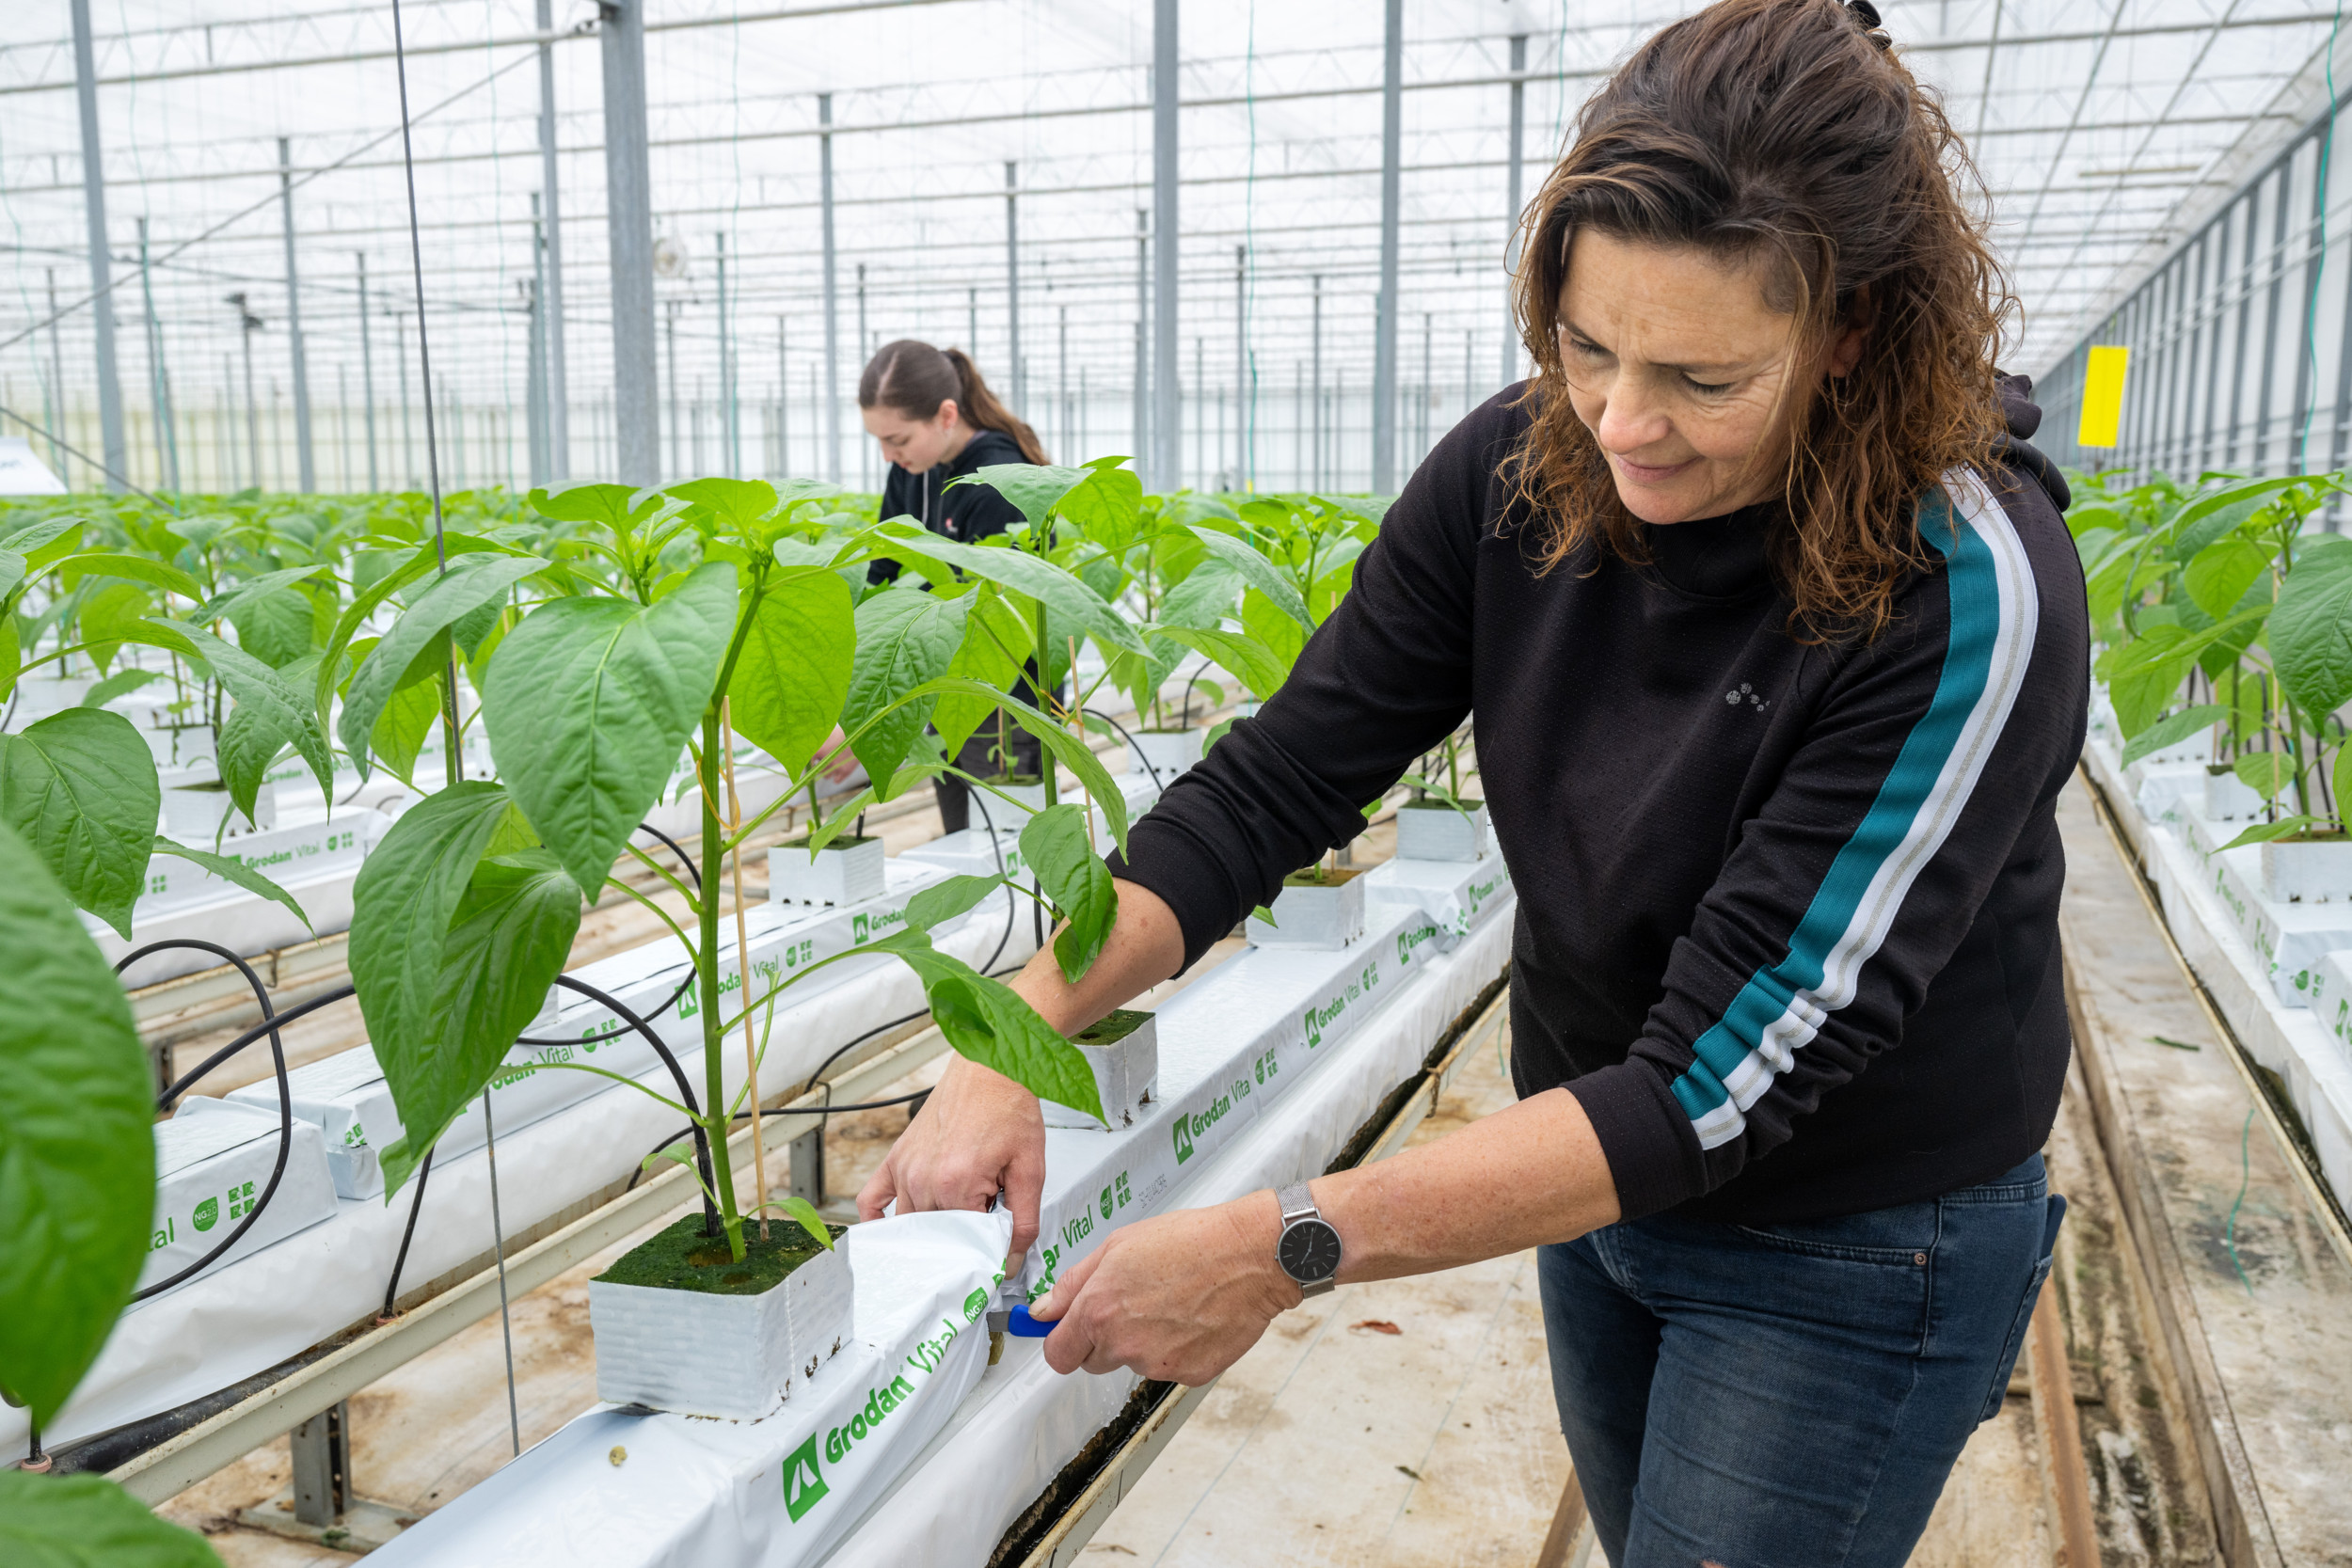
point(616, 506)
point(280, 715)
point(116, 685)
point(2310, 632)
point(113, 564)
point(1260, 668)
point(31, 540)
point(228, 603)
point(402, 903)
point(77, 1147)
point(905, 638)
point(11, 654)
point(804, 1213)
point(80, 788)
point(87, 1521)
point(1262, 620)
point(1034, 489)
point(2220, 575)
point(1064, 595)
point(1204, 598)
point(994, 641)
point(416, 564)
point(1054, 843)
point(987, 1021)
point(737, 505)
point(505, 945)
point(589, 704)
point(2265, 772)
point(230, 868)
point(1067, 748)
point(12, 572)
point(1258, 572)
point(2172, 731)
point(2207, 517)
point(275, 627)
point(943, 901)
point(2286, 827)
point(472, 582)
point(793, 674)
point(2144, 676)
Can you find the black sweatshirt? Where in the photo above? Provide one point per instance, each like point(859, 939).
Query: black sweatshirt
point(965, 514)
point(1748, 868)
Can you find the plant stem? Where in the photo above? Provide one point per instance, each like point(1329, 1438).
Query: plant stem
point(743, 967)
point(707, 980)
point(1045, 768)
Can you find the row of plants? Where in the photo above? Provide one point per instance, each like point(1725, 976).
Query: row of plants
point(607, 632)
point(2220, 619)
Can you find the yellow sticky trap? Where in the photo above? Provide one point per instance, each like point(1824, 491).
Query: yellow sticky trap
point(2103, 396)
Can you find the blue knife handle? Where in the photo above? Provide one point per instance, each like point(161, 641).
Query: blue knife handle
point(1022, 1327)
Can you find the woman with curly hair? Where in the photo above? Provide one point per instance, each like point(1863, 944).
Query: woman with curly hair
point(1777, 652)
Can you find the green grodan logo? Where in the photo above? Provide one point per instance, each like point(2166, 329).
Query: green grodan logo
point(1184, 1139)
point(973, 1304)
point(804, 1483)
point(858, 927)
point(208, 1213)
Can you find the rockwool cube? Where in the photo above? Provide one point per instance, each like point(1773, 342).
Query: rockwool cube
point(212, 1162)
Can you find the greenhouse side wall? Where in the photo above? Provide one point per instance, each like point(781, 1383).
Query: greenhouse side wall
point(2240, 339)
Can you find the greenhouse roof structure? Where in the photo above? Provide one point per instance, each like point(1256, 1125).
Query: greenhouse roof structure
point(986, 172)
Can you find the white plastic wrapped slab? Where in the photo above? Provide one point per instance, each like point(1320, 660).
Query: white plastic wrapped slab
point(1456, 895)
point(301, 851)
point(1025, 1421)
point(2290, 939)
point(970, 853)
point(347, 1096)
point(212, 1162)
point(244, 923)
point(617, 1489)
point(1230, 1043)
point(233, 1322)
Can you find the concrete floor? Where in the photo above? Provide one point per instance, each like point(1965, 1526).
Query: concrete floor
point(1433, 1444)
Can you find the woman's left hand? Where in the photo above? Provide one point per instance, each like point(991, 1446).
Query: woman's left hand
point(1177, 1298)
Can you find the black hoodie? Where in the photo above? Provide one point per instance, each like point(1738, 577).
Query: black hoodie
point(966, 512)
point(1788, 919)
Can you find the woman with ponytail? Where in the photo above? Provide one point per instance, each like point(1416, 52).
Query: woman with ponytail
point(937, 421)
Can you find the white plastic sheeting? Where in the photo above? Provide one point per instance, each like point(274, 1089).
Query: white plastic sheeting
point(617, 1487)
point(286, 1298)
point(930, 1476)
point(1025, 1421)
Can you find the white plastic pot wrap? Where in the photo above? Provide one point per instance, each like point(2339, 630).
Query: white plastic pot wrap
point(1455, 896)
point(1433, 831)
point(1126, 1071)
point(1323, 917)
point(617, 1489)
point(1161, 754)
point(728, 1357)
point(845, 872)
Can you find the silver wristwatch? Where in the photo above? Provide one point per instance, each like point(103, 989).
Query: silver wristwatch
point(1308, 1250)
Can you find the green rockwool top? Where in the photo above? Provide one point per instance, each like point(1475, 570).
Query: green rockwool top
point(1113, 1028)
point(674, 1258)
point(1319, 876)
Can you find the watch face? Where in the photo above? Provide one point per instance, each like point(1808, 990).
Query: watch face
point(1309, 1250)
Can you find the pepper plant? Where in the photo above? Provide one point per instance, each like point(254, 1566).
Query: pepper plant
point(659, 617)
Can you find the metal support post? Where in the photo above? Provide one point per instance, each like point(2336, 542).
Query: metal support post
point(1385, 317)
point(678, 426)
point(1166, 417)
point(832, 398)
point(730, 412)
point(321, 1451)
point(1420, 447)
point(1317, 481)
point(1141, 438)
point(784, 396)
point(551, 284)
point(1061, 387)
point(57, 388)
point(306, 467)
point(1470, 386)
point(864, 349)
point(1012, 288)
point(249, 324)
point(1199, 411)
point(408, 432)
point(111, 446)
point(159, 390)
point(534, 357)
point(367, 367)
point(628, 222)
point(806, 1154)
point(1511, 238)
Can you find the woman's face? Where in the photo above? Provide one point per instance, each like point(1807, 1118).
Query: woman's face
point(916, 445)
point(1680, 369)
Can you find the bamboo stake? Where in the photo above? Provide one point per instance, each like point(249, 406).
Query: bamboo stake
point(1079, 720)
point(743, 967)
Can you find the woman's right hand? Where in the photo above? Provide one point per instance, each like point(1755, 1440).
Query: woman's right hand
point(979, 1134)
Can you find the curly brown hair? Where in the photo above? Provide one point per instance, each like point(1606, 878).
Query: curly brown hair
point(1785, 132)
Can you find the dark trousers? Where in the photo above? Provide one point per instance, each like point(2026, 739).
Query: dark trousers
point(1789, 1393)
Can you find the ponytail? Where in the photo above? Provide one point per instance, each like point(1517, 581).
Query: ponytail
point(913, 378)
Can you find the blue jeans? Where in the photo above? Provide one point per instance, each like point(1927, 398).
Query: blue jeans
point(1789, 1396)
